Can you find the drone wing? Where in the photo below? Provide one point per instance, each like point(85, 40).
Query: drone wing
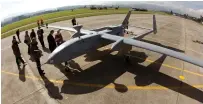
point(63, 28)
point(122, 40)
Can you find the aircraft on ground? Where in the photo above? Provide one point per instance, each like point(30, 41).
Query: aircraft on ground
point(85, 40)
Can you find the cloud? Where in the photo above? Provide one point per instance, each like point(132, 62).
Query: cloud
point(11, 8)
point(186, 7)
point(200, 11)
point(190, 8)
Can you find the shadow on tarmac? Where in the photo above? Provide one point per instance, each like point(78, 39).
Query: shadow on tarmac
point(99, 75)
point(151, 74)
point(96, 55)
point(161, 45)
point(72, 65)
point(146, 75)
point(22, 74)
point(197, 41)
point(53, 91)
point(120, 87)
point(111, 67)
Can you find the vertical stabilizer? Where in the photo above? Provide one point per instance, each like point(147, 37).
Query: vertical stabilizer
point(77, 28)
point(154, 25)
point(125, 21)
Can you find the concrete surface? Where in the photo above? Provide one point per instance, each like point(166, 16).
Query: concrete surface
point(100, 77)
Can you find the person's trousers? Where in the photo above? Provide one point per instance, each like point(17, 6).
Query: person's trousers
point(17, 60)
point(37, 60)
point(42, 42)
point(28, 49)
point(18, 38)
point(52, 49)
point(66, 63)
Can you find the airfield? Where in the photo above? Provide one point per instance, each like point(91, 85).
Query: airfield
point(103, 78)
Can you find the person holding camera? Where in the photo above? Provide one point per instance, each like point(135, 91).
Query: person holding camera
point(36, 54)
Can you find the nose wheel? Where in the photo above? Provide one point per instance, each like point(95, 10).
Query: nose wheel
point(127, 60)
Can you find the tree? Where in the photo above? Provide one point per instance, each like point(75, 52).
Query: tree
point(171, 12)
point(201, 18)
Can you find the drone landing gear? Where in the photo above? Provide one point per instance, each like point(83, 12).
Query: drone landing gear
point(127, 60)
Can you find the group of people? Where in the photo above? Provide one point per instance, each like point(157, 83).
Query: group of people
point(33, 50)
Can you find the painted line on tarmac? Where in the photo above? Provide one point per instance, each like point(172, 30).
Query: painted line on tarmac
point(169, 66)
point(172, 67)
point(110, 86)
point(5, 48)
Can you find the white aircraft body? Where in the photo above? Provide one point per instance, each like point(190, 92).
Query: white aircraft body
point(85, 40)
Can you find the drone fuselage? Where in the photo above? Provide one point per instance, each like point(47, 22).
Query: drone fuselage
point(80, 45)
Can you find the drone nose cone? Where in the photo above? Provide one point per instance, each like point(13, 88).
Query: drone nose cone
point(54, 57)
point(61, 54)
point(51, 59)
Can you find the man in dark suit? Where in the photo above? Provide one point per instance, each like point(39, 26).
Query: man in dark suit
point(51, 41)
point(18, 34)
point(16, 52)
point(73, 21)
point(40, 33)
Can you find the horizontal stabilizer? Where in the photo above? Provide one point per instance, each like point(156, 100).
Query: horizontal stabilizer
point(63, 28)
point(77, 28)
point(74, 29)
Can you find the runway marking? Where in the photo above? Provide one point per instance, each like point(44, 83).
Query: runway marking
point(110, 86)
point(5, 48)
point(172, 67)
point(181, 77)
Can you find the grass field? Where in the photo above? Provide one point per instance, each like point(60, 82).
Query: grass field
point(31, 22)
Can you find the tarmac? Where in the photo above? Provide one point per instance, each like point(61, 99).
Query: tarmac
point(102, 77)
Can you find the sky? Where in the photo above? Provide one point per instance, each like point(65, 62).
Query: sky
point(9, 8)
point(194, 8)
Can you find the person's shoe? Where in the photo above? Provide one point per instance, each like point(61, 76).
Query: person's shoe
point(42, 73)
point(24, 64)
point(67, 69)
